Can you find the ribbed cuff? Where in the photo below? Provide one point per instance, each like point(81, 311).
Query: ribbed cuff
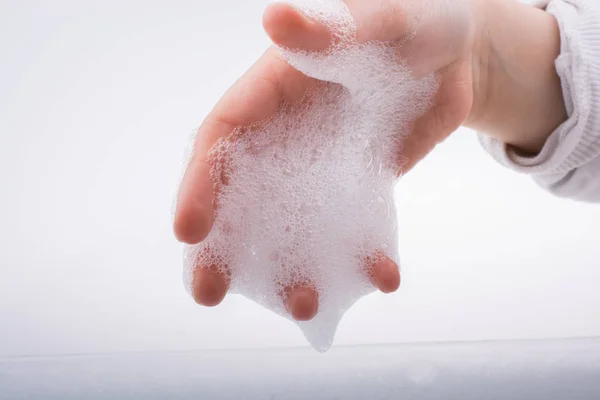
point(577, 141)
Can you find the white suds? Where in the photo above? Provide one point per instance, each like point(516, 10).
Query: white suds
point(307, 196)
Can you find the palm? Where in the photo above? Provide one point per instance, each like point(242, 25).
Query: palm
point(271, 81)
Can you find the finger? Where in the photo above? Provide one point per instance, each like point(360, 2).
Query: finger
point(253, 98)
point(376, 21)
point(194, 212)
point(384, 273)
point(302, 302)
point(289, 27)
point(210, 285)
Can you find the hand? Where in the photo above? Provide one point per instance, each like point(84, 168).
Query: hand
point(442, 45)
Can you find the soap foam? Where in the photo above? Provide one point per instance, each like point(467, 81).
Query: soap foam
point(307, 196)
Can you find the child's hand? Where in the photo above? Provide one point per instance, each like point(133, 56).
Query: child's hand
point(443, 44)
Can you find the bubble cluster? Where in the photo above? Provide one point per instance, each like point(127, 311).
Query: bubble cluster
point(307, 196)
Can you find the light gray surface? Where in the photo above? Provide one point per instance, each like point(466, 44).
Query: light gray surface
point(532, 370)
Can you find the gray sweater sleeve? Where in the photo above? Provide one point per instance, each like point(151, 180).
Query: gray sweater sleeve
point(569, 163)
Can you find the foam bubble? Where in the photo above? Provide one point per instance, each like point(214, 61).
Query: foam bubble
point(307, 196)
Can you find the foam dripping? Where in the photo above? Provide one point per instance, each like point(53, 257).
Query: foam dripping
point(308, 195)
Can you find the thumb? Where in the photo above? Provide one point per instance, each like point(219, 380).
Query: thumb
point(289, 27)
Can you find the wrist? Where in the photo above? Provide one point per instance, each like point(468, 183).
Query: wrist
point(517, 92)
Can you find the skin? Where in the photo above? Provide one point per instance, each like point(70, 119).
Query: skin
point(494, 61)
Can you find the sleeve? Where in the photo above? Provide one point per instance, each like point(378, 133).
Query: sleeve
point(569, 163)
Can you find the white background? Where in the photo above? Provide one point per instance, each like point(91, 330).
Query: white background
point(97, 100)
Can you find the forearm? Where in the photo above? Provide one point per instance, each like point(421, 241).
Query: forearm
point(518, 97)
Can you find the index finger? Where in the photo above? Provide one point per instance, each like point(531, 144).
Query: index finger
point(253, 98)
